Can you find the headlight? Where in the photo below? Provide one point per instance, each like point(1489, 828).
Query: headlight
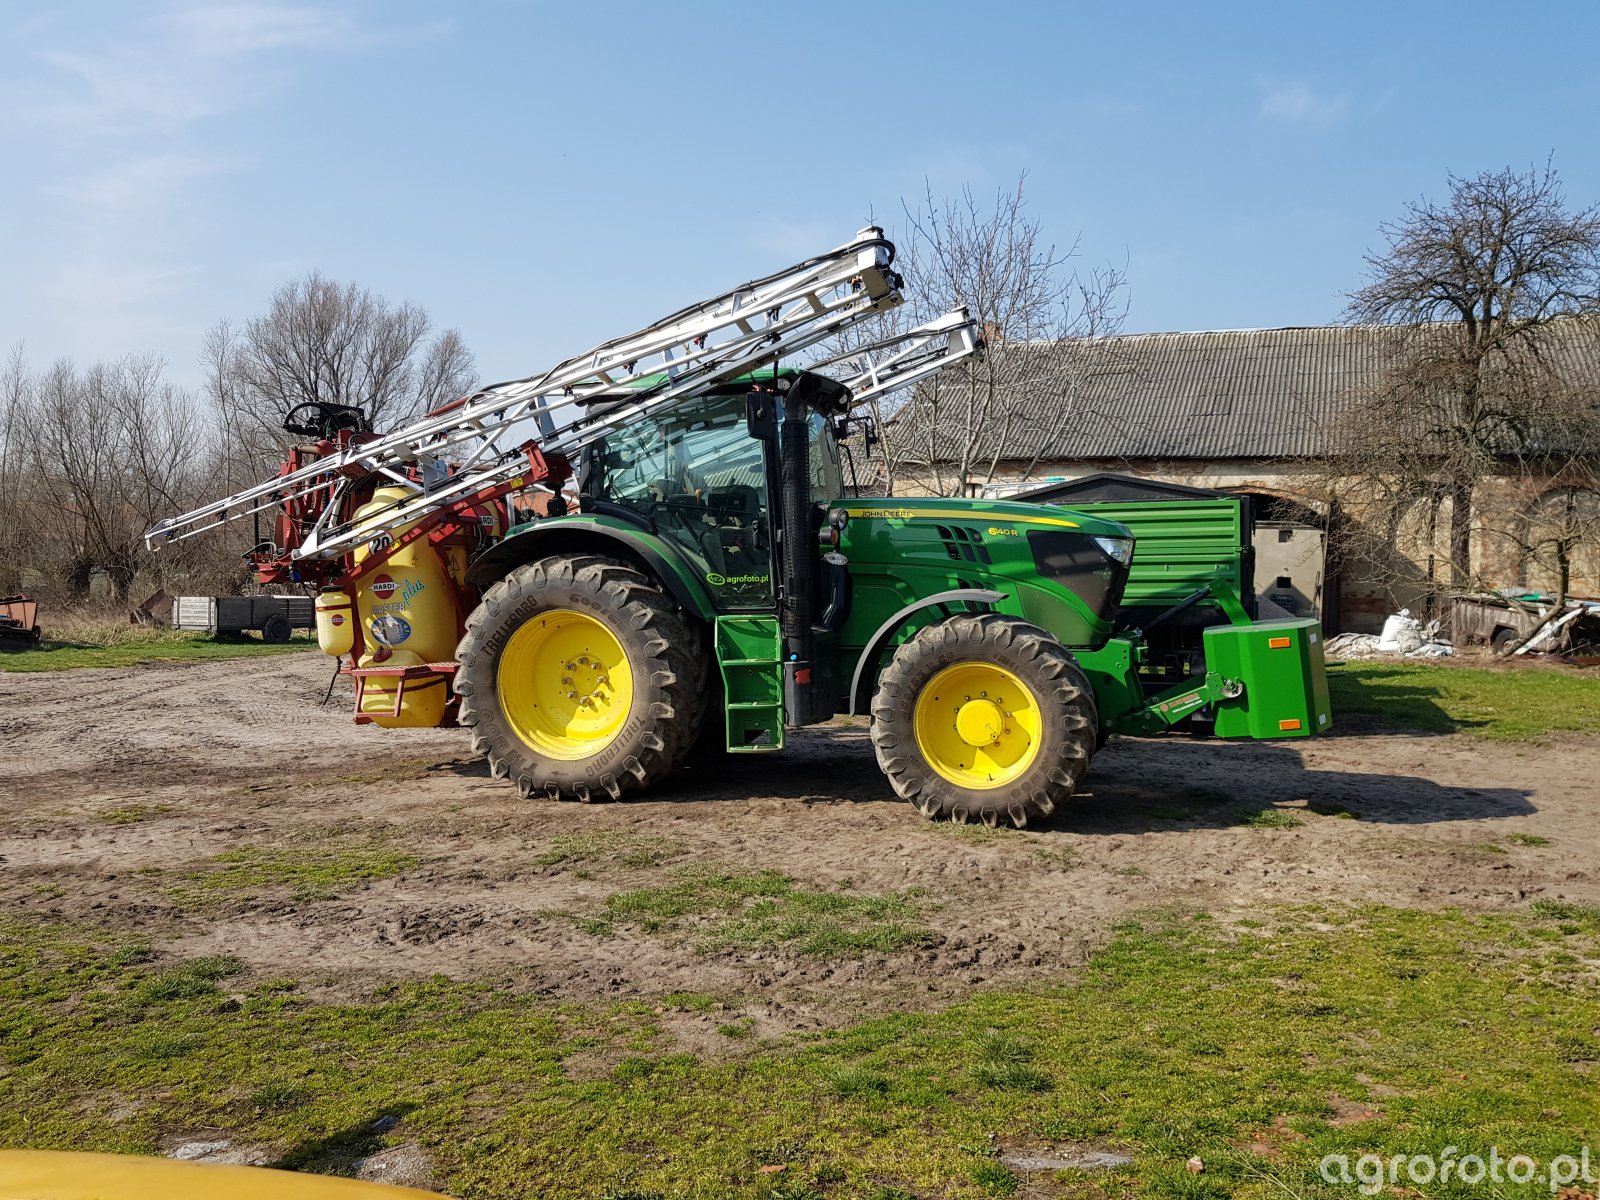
point(1120, 549)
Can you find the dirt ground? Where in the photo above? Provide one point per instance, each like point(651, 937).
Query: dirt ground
point(117, 782)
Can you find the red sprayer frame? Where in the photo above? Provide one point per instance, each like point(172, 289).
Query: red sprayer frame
point(277, 564)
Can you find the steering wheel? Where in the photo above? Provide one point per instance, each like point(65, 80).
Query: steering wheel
point(326, 419)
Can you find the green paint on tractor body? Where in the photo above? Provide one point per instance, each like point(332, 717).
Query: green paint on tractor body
point(691, 498)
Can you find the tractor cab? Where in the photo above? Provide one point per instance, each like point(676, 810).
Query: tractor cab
point(703, 477)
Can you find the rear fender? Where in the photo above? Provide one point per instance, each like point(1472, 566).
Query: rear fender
point(607, 536)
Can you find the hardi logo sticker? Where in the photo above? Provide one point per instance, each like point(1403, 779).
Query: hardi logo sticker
point(383, 587)
point(336, 620)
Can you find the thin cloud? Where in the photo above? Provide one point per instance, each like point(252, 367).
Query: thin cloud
point(124, 172)
point(229, 30)
point(220, 30)
point(115, 94)
point(135, 187)
point(1297, 104)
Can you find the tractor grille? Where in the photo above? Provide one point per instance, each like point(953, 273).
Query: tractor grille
point(960, 542)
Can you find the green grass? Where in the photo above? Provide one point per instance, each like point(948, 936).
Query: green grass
point(1514, 704)
point(764, 910)
point(1180, 1037)
point(304, 873)
point(1569, 910)
point(629, 849)
point(153, 646)
point(1269, 818)
point(132, 814)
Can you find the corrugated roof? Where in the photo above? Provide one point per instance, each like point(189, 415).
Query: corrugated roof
point(1252, 393)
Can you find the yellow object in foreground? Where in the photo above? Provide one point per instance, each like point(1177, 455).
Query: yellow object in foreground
point(55, 1175)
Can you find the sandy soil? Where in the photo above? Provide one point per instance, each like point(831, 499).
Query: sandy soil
point(212, 757)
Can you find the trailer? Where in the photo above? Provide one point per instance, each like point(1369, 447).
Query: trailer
point(19, 622)
point(1501, 621)
point(274, 617)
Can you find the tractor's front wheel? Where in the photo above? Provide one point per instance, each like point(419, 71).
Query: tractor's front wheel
point(986, 718)
point(579, 679)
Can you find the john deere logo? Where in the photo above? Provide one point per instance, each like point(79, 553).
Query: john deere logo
point(715, 580)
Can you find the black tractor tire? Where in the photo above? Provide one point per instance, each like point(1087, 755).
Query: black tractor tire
point(708, 750)
point(276, 629)
point(1069, 719)
point(1504, 641)
point(664, 656)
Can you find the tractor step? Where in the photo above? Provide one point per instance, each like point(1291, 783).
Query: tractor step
point(750, 657)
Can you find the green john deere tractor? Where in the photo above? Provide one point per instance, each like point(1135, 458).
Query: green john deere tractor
point(713, 587)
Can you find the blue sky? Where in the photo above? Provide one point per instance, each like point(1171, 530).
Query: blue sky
point(542, 176)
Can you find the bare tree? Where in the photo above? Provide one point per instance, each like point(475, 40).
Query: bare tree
point(107, 450)
point(320, 340)
point(1483, 298)
point(1043, 325)
point(14, 524)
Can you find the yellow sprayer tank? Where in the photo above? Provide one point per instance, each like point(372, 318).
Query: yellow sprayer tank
point(408, 613)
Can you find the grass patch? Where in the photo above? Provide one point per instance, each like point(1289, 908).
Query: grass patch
point(764, 910)
point(1269, 818)
point(1006, 1065)
point(187, 980)
point(149, 646)
point(306, 874)
point(994, 1179)
point(1330, 808)
point(1060, 856)
point(1178, 1038)
point(629, 849)
point(132, 814)
point(1511, 704)
point(1528, 839)
point(1568, 910)
point(976, 832)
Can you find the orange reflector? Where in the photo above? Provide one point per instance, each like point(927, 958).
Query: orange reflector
point(1278, 643)
point(1286, 725)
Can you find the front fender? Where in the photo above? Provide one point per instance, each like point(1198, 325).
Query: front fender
point(586, 534)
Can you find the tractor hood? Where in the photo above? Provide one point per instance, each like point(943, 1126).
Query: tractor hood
point(1060, 569)
point(1000, 512)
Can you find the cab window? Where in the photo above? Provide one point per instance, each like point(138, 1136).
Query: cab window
point(701, 480)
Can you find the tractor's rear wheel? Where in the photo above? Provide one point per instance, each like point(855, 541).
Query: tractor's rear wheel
point(985, 718)
point(579, 679)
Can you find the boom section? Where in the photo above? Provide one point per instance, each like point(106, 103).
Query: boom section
point(488, 440)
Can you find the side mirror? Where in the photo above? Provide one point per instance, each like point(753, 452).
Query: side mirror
point(761, 415)
point(848, 426)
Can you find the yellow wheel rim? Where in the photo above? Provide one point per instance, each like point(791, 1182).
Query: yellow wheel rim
point(565, 684)
point(977, 725)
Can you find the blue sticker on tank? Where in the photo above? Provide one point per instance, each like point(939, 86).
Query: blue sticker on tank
point(391, 630)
